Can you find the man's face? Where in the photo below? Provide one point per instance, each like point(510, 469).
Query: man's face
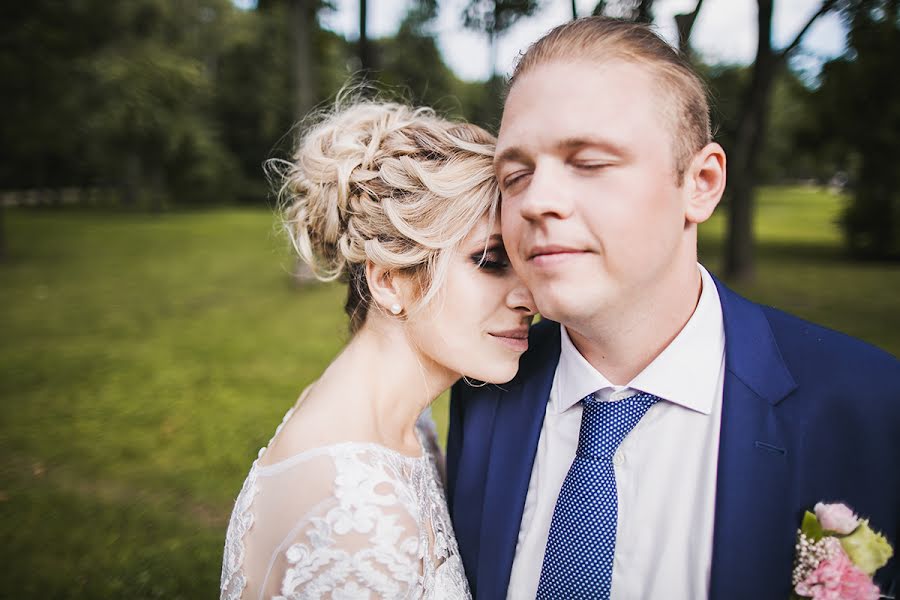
point(592, 216)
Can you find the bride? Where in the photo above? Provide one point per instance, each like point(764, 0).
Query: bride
point(347, 501)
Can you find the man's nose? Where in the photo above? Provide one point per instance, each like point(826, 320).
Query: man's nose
point(548, 195)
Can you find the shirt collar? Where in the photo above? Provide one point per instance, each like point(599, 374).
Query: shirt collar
point(686, 372)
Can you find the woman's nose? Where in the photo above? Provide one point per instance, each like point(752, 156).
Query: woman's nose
point(519, 298)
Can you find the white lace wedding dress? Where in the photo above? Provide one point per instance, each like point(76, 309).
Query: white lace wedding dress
point(349, 520)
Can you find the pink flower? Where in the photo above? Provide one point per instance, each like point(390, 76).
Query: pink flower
point(836, 517)
point(836, 578)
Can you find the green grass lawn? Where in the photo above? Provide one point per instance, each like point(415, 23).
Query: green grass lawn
point(145, 359)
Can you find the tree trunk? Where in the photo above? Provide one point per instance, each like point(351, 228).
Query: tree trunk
point(645, 11)
point(492, 54)
point(685, 24)
point(158, 191)
point(303, 13)
point(130, 182)
point(3, 252)
point(739, 260)
point(365, 50)
point(750, 139)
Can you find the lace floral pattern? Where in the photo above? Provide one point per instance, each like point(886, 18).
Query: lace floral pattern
point(379, 528)
point(233, 580)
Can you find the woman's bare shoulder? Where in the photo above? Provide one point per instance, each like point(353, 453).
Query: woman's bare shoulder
point(316, 420)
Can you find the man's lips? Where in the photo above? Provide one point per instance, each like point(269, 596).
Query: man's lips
point(548, 255)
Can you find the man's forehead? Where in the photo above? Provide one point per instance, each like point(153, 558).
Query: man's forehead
point(564, 77)
point(571, 103)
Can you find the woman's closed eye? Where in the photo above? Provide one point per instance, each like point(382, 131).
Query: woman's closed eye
point(492, 260)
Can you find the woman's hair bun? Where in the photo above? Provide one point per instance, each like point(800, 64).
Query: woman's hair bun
point(387, 183)
point(335, 180)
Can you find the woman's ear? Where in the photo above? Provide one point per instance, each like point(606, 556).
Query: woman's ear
point(704, 183)
point(385, 288)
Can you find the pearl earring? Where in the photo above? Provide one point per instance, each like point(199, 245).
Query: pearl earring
point(396, 308)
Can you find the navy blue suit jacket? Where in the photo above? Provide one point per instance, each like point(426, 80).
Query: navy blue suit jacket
point(808, 415)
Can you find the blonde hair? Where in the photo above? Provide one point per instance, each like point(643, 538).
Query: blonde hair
point(386, 183)
point(601, 39)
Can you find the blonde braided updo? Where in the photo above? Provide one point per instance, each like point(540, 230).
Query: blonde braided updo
point(386, 183)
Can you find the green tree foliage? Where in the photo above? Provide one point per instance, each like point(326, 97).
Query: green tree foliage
point(783, 158)
point(412, 66)
point(117, 94)
point(253, 98)
point(155, 86)
point(44, 48)
point(493, 17)
point(859, 106)
point(182, 102)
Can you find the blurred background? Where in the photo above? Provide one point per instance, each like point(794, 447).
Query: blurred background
point(155, 327)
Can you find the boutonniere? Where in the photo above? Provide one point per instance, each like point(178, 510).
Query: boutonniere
point(837, 555)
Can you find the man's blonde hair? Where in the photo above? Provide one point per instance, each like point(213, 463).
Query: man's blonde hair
point(600, 39)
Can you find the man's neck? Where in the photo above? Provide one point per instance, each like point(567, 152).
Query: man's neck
point(623, 342)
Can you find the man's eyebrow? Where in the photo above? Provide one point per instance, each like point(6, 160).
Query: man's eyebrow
point(575, 143)
point(516, 154)
point(512, 154)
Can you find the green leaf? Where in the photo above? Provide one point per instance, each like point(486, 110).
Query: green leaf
point(811, 527)
point(868, 549)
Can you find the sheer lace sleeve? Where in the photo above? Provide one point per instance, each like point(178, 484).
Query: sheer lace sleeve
point(428, 435)
point(336, 522)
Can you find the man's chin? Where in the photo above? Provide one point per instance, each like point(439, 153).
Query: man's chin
point(555, 308)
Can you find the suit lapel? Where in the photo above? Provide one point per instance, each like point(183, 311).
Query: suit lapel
point(516, 431)
point(754, 524)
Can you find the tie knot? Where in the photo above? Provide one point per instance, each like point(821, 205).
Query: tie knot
point(605, 424)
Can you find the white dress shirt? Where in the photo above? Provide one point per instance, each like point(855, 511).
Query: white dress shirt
point(665, 468)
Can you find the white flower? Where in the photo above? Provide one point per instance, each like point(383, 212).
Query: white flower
point(836, 517)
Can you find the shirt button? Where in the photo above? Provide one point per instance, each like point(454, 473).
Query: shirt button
point(619, 458)
point(620, 395)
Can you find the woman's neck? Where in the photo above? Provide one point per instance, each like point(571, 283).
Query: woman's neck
point(384, 384)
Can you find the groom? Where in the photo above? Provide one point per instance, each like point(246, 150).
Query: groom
point(664, 435)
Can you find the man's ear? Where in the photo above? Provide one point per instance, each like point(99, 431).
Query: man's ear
point(704, 183)
point(385, 288)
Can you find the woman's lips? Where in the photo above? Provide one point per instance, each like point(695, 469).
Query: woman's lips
point(515, 339)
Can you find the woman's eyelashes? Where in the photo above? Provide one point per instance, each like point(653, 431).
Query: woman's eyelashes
point(492, 260)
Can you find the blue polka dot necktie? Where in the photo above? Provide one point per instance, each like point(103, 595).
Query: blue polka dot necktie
point(578, 559)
